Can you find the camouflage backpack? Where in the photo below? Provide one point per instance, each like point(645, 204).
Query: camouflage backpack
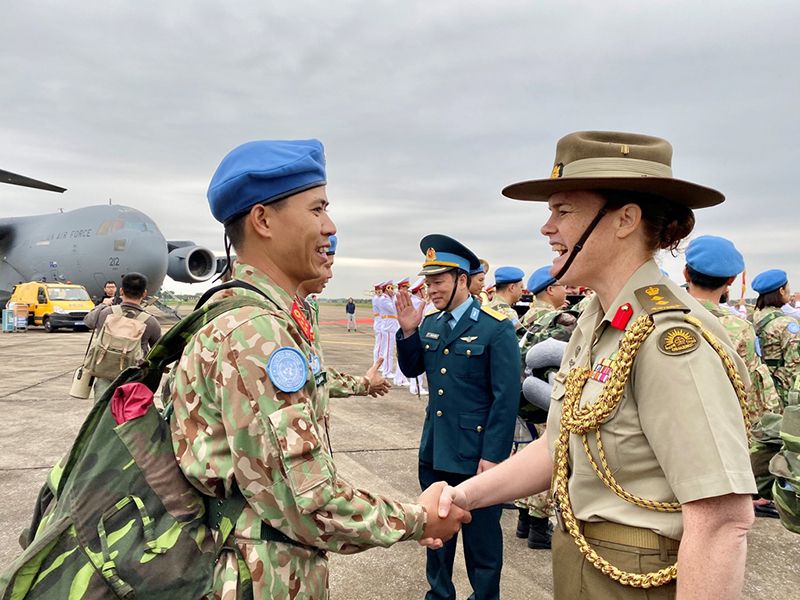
point(116, 518)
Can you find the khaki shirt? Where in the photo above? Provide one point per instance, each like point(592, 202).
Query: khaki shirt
point(677, 433)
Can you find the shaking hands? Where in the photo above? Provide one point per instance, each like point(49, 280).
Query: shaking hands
point(445, 514)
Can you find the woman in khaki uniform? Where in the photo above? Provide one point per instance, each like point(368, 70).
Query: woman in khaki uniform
point(646, 441)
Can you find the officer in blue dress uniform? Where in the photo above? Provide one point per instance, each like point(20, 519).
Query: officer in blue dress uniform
point(471, 358)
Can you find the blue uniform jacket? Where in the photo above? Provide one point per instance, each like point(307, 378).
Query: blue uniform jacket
point(474, 382)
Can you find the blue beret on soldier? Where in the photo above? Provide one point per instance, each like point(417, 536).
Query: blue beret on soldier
point(505, 275)
point(264, 171)
point(714, 256)
point(540, 279)
point(769, 281)
point(334, 241)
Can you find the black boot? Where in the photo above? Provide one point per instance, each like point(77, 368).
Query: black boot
point(540, 534)
point(523, 524)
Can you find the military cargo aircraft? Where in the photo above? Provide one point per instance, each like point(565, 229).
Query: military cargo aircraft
point(92, 245)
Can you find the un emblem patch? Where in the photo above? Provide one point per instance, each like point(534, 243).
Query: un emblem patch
point(287, 369)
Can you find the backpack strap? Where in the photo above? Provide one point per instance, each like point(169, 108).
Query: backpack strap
point(143, 316)
point(222, 515)
point(169, 347)
point(116, 309)
point(760, 327)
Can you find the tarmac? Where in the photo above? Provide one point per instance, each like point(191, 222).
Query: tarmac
point(375, 444)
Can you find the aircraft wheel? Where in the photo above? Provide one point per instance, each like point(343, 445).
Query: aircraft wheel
point(48, 326)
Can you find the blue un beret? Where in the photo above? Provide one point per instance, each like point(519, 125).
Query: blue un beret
point(769, 281)
point(504, 275)
point(264, 171)
point(540, 279)
point(334, 242)
point(714, 256)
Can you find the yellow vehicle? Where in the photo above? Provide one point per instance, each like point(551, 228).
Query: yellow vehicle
point(53, 305)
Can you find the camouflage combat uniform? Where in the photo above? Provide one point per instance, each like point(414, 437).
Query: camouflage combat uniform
point(338, 384)
point(536, 309)
point(762, 396)
point(502, 306)
point(780, 348)
point(556, 324)
point(231, 426)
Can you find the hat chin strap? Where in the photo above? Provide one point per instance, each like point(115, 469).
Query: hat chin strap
point(579, 246)
point(453, 294)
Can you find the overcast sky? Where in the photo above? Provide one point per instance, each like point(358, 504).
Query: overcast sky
point(426, 109)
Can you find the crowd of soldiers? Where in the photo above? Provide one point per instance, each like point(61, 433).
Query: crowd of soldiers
point(765, 333)
point(636, 422)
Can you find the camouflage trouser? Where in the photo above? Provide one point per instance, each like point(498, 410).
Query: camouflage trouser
point(785, 466)
point(766, 442)
point(538, 505)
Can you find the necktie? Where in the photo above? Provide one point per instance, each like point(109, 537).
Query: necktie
point(451, 320)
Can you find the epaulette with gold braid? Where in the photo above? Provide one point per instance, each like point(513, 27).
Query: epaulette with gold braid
point(494, 313)
point(658, 298)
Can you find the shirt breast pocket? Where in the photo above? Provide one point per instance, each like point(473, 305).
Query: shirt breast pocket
point(306, 466)
point(470, 360)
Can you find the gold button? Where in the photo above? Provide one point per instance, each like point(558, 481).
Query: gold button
point(427, 346)
point(469, 352)
point(441, 392)
point(443, 371)
point(438, 412)
point(480, 428)
point(446, 351)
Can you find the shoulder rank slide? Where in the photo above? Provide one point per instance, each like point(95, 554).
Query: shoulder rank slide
point(494, 313)
point(658, 298)
point(287, 369)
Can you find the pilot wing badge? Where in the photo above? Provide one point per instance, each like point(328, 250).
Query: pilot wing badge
point(469, 338)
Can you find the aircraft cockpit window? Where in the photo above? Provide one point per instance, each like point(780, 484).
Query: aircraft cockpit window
point(70, 294)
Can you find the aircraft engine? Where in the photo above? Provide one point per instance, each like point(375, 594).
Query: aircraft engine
point(191, 264)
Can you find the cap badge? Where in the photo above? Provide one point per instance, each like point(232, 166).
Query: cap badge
point(558, 170)
point(430, 255)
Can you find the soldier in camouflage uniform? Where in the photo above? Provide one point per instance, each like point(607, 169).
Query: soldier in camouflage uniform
point(712, 263)
point(249, 412)
point(508, 281)
point(778, 333)
point(338, 383)
point(545, 320)
point(548, 296)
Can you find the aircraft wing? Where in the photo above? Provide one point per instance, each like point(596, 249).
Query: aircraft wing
point(14, 179)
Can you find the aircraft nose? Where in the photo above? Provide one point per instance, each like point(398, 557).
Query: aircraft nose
point(148, 256)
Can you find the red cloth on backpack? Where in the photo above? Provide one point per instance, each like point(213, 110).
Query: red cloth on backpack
point(130, 401)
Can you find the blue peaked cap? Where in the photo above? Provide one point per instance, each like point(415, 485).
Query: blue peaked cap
point(504, 275)
point(476, 271)
point(540, 279)
point(334, 242)
point(443, 253)
point(714, 256)
point(264, 171)
point(769, 281)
